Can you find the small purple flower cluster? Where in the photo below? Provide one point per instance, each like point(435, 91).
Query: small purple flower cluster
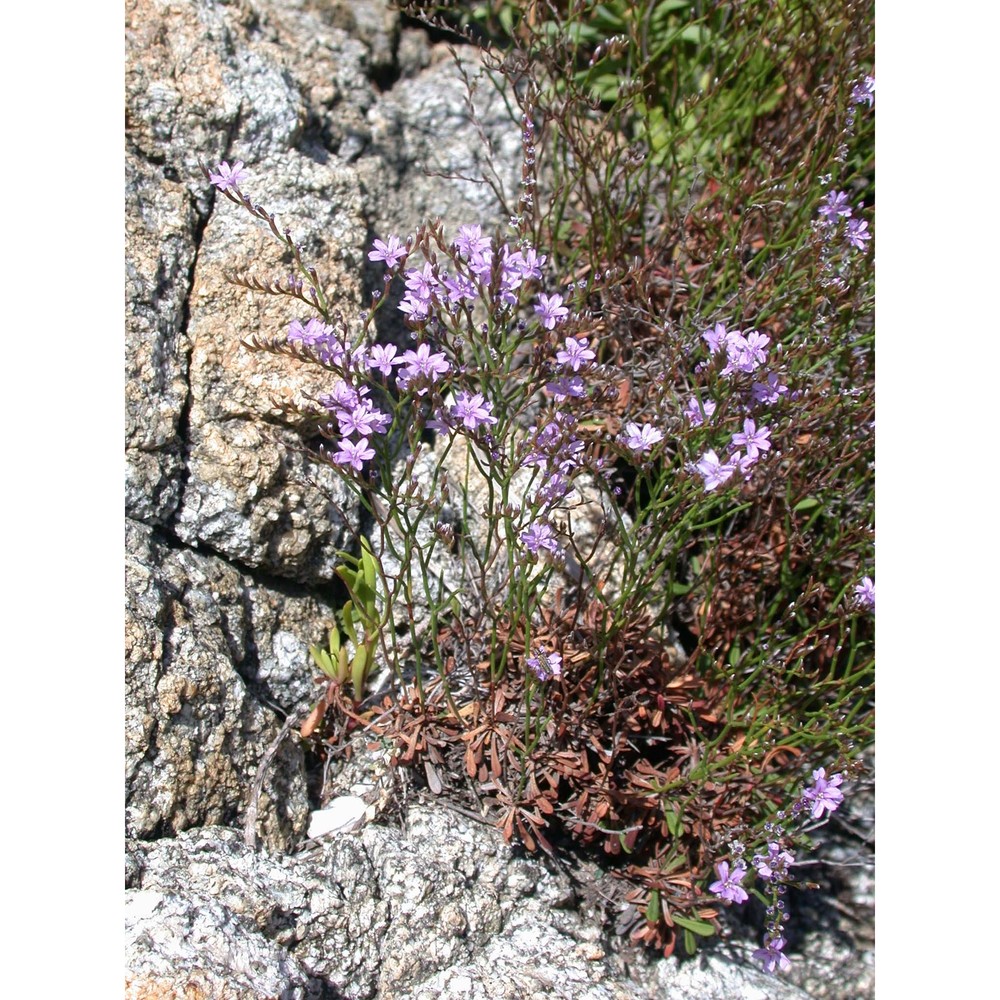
point(429, 290)
point(495, 274)
point(773, 867)
point(744, 354)
point(836, 208)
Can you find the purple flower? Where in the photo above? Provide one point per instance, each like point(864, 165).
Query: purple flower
point(775, 866)
point(641, 438)
point(415, 309)
point(227, 177)
point(728, 885)
point(755, 349)
point(771, 955)
point(421, 284)
point(743, 464)
point(530, 263)
point(460, 288)
point(471, 242)
point(363, 419)
point(313, 333)
point(354, 454)
point(864, 593)
point(472, 410)
point(575, 353)
point(383, 357)
point(755, 441)
point(392, 252)
point(567, 386)
point(824, 794)
point(716, 338)
point(693, 411)
point(552, 311)
point(769, 393)
point(745, 353)
point(714, 472)
point(421, 364)
point(835, 207)
point(545, 664)
point(539, 536)
point(857, 233)
point(864, 91)
point(343, 397)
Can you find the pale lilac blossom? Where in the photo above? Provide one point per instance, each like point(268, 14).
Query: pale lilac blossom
point(422, 364)
point(857, 233)
point(745, 353)
point(774, 866)
point(835, 207)
point(473, 410)
point(313, 333)
point(422, 284)
point(471, 242)
point(343, 397)
point(754, 439)
point(713, 471)
point(728, 886)
point(864, 593)
point(382, 357)
point(640, 438)
point(864, 91)
point(226, 177)
point(416, 309)
point(552, 311)
point(567, 386)
point(696, 413)
point(539, 536)
point(392, 251)
point(460, 288)
point(743, 464)
point(575, 353)
point(716, 338)
point(770, 392)
point(354, 454)
point(824, 793)
point(363, 419)
point(771, 956)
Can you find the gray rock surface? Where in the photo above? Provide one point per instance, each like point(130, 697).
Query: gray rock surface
point(441, 909)
point(195, 733)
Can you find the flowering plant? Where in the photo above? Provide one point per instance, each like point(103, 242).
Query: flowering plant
point(614, 471)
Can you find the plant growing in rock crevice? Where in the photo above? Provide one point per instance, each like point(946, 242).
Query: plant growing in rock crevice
point(619, 486)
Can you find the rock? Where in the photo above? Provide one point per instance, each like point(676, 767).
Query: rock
point(444, 909)
point(194, 733)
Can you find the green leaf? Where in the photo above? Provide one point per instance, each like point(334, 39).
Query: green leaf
point(808, 504)
point(674, 821)
point(358, 670)
point(349, 628)
point(653, 907)
point(324, 661)
point(699, 927)
point(690, 944)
